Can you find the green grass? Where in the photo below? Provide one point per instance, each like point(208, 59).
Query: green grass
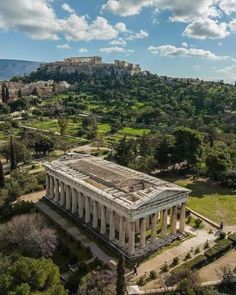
point(211, 200)
point(134, 131)
point(104, 128)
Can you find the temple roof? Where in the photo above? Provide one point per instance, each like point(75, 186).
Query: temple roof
point(127, 187)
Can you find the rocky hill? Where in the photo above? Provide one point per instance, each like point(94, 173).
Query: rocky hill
point(10, 68)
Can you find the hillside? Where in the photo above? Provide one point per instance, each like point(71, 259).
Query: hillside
point(10, 67)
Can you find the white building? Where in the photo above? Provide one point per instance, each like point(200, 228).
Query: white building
point(122, 205)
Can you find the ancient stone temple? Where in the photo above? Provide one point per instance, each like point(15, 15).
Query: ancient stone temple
point(133, 212)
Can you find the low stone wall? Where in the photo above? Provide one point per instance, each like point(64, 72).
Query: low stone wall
point(207, 220)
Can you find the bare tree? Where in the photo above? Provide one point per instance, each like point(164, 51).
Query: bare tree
point(225, 274)
point(100, 283)
point(30, 234)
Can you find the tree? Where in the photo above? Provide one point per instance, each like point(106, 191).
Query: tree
point(188, 146)
point(63, 124)
point(22, 153)
point(12, 155)
point(120, 282)
point(217, 162)
point(163, 152)
point(124, 152)
point(44, 146)
point(29, 234)
point(25, 276)
point(5, 93)
point(2, 178)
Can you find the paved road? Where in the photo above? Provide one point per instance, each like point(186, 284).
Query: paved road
point(77, 234)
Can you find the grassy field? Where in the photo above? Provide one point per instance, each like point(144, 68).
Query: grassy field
point(211, 200)
point(133, 131)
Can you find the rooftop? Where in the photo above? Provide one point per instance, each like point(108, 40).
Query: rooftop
point(125, 186)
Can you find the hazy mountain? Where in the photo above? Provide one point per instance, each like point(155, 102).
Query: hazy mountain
point(10, 67)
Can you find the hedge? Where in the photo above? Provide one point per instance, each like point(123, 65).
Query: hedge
point(195, 263)
point(217, 250)
point(232, 238)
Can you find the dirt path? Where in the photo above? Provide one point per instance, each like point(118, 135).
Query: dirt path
point(33, 197)
point(209, 272)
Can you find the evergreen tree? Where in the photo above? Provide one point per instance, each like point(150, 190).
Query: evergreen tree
point(120, 283)
point(2, 180)
point(13, 155)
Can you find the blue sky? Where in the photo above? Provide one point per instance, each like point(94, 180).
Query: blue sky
point(182, 38)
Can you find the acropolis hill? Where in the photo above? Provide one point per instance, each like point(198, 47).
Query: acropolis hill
point(91, 66)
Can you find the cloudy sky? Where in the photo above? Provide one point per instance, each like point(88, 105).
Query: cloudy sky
point(187, 38)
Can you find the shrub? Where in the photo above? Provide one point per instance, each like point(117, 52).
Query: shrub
point(198, 222)
point(206, 245)
point(210, 231)
point(222, 235)
point(141, 281)
point(188, 256)
point(175, 261)
point(197, 250)
point(153, 275)
point(218, 249)
point(189, 219)
point(165, 268)
point(232, 238)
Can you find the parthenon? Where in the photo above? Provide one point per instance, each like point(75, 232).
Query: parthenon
point(118, 203)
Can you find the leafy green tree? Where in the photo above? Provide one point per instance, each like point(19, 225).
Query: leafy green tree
point(24, 275)
point(124, 152)
point(164, 151)
point(217, 162)
point(44, 146)
point(188, 146)
point(63, 124)
point(22, 153)
point(13, 155)
point(2, 178)
point(120, 283)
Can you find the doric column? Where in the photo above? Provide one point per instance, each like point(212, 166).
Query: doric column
point(182, 217)
point(154, 228)
point(142, 233)
point(164, 224)
point(103, 220)
point(173, 219)
point(74, 200)
point(51, 187)
point(95, 214)
point(122, 231)
point(62, 194)
point(87, 209)
point(131, 243)
point(68, 197)
point(137, 226)
point(57, 194)
point(112, 225)
point(47, 185)
point(81, 205)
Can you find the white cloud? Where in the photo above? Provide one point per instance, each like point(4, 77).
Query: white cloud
point(63, 46)
point(232, 25)
point(121, 27)
point(182, 10)
point(119, 42)
point(139, 35)
point(35, 18)
point(184, 44)
point(83, 50)
point(227, 73)
point(116, 49)
point(172, 51)
point(67, 8)
point(228, 6)
point(206, 28)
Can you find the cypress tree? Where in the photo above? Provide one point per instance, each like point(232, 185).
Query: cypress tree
point(13, 156)
point(120, 283)
point(2, 180)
